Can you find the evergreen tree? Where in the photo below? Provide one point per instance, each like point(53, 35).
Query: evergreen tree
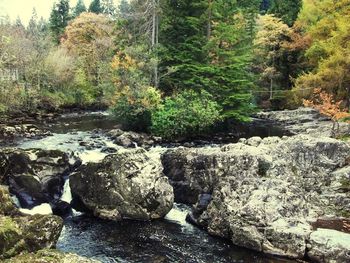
point(108, 7)
point(18, 23)
point(95, 7)
point(265, 5)
point(206, 45)
point(59, 19)
point(79, 8)
point(33, 23)
point(226, 74)
point(287, 10)
point(183, 35)
point(124, 9)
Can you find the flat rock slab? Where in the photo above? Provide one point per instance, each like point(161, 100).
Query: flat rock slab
point(329, 246)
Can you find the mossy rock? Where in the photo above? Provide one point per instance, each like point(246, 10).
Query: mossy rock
point(28, 234)
point(7, 206)
point(11, 242)
point(50, 256)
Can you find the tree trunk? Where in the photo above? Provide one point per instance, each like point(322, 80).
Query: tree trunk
point(271, 88)
point(155, 38)
point(209, 19)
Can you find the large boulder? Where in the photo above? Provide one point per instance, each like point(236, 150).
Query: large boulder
point(264, 194)
point(50, 256)
point(19, 233)
point(28, 233)
point(35, 176)
point(129, 184)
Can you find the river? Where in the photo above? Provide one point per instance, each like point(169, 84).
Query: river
point(171, 239)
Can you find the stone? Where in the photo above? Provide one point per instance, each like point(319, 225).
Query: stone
point(329, 246)
point(8, 132)
point(305, 121)
point(50, 256)
point(35, 176)
point(265, 194)
point(132, 139)
point(7, 207)
point(129, 184)
point(28, 234)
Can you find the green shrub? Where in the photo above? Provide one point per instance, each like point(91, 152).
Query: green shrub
point(132, 109)
point(188, 113)
point(84, 92)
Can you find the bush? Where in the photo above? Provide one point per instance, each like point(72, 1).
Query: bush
point(132, 109)
point(188, 113)
point(84, 93)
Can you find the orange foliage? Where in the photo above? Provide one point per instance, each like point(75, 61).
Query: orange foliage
point(299, 41)
point(325, 104)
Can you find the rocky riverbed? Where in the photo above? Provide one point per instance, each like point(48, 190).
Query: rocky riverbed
point(285, 196)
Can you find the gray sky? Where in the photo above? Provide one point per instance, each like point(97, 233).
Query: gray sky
point(23, 8)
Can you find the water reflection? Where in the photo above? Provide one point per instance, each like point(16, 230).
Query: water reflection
point(168, 240)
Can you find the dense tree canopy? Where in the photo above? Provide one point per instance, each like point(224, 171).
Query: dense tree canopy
point(328, 26)
point(147, 58)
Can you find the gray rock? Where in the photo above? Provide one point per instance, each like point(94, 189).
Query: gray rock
point(50, 256)
point(129, 184)
point(28, 234)
point(329, 246)
point(305, 121)
point(133, 139)
point(35, 176)
point(266, 194)
point(21, 130)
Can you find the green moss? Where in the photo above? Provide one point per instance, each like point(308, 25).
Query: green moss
point(11, 242)
point(345, 137)
point(294, 170)
point(6, 205)
point(345, 184)
point(48, 256)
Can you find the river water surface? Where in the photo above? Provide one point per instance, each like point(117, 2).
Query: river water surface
point(171, 239)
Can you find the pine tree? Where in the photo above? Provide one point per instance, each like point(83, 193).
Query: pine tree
point(33, 23)
point(183, 35)
point(95, 7)
point(108, 7)
point(226, 74)
point(18, 23)
point(206, 45)
point(124, 9)
point(79, 8)
point(59, 19)
point(287, 10)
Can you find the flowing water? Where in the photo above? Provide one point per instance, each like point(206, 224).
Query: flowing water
point(171, 239)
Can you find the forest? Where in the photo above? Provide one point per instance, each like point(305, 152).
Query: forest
point(178, 67)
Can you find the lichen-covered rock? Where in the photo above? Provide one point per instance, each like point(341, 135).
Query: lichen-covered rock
point(20, 233)
point(28, 234)
point(129, 184)
point(305, 121)
point(329, 246)
point(35, 176)
point(21, 131)
point(7, 207)
point(50, 256)
point(264, 194)
point(132, 139)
